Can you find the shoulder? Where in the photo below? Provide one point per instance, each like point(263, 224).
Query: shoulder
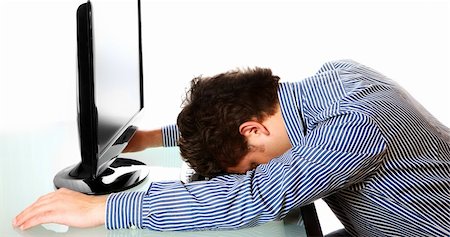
point(338, 64)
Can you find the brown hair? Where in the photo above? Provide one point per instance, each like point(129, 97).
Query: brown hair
point(213, 110)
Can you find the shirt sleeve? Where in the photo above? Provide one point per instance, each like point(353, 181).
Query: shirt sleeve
point(170, 135)
point(339, 153)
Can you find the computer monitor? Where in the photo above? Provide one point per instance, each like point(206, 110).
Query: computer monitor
point(110, 97)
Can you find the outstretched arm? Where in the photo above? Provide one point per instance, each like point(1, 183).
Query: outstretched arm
point(166, 136)
point(143, 140)
point(303, 174)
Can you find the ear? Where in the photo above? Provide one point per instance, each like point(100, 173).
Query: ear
point(250, 128)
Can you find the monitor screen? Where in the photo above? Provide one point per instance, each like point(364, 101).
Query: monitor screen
point(116, 67)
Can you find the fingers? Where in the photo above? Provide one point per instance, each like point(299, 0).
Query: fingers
point(41, 211)
point(34, 212)
point(64, 207)
point(40, 218)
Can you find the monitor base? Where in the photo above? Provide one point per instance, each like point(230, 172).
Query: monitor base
point(120, 175)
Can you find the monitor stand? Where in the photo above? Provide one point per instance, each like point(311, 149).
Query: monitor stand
point(120, 174)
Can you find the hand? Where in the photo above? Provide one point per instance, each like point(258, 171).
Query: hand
point(65, 207)
point(143, 140)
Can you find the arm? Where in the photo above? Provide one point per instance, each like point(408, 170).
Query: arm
point(143, 140)
point(322, 164)
point(166, 136)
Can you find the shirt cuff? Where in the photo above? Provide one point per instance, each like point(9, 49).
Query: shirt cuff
point(170, 135)
point(124, 210)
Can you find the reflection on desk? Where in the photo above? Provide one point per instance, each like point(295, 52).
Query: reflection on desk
point(275, 228)
point(31, 159)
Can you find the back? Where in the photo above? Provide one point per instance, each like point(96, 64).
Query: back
point(411, 185)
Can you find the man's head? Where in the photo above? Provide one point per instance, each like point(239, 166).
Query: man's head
point(220, 113)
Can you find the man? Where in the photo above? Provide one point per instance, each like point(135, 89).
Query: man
point(347, 135)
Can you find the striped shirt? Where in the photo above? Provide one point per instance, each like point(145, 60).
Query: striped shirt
point(359, 141)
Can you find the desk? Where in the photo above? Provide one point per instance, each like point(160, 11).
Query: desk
point(31, 158)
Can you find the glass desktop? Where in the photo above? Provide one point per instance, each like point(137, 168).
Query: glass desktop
point(30, 158)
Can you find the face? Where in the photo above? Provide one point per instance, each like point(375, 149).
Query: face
point(266, 140)
point(250, 162)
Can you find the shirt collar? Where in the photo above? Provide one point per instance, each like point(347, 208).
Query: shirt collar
point(290, 103)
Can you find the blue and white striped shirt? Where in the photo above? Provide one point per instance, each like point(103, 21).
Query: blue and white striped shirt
point(361, 143)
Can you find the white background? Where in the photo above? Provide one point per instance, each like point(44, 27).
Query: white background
point(406, 40)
